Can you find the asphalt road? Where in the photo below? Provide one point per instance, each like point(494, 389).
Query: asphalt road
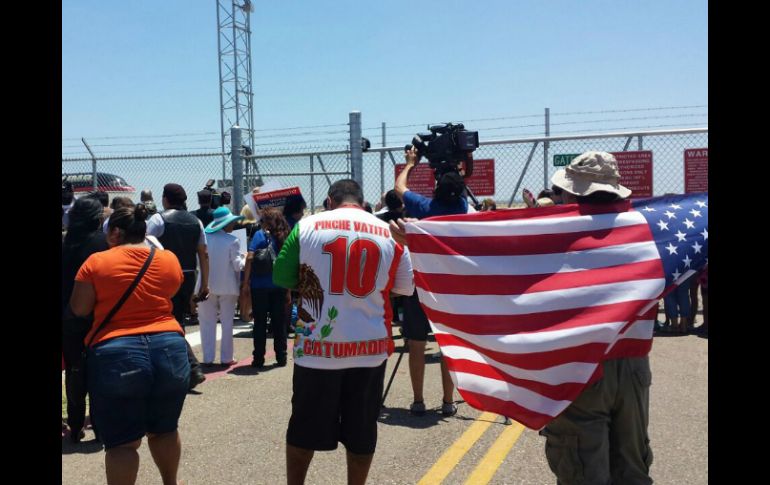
point(233, 430)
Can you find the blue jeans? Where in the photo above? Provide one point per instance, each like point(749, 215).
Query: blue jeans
point(677, 303)
point(137, 385)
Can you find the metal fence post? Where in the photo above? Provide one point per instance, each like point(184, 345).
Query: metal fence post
point(640, 143)
point(93, 163)
point(236, 149)
point(356, 155)
point(545, 147)
point(382, 162)
point(312, 186)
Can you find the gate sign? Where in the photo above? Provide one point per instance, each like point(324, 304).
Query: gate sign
point(482, 182)
point(696, 170)
point(563, 160)
point(636, 172)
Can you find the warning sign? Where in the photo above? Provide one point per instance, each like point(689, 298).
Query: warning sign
point(696, 170)
point(482, 182)
point(636, 172)
point(420, 179)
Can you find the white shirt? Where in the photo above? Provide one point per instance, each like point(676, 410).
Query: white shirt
point(225, 263)
point(351, 321)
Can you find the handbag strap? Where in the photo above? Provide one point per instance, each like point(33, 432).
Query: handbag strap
point(125, 296)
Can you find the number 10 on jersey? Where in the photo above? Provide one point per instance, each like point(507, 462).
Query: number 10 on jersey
point(353, 267)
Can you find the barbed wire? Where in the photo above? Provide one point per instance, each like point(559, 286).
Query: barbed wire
point(145, 136)
point(607, 129)
point(112, 152)
point(628, 110)
point(202, 140)
point(335, 142)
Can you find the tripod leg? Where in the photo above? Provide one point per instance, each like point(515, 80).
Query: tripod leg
point(393, 375)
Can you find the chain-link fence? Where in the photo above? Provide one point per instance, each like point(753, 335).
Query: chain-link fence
point(524, 163)
point(134, 174)
point(518, 164)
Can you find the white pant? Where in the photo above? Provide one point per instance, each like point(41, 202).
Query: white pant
point(224, 305)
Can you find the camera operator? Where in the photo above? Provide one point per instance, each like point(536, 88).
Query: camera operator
point(448, 198)
point(205, 213)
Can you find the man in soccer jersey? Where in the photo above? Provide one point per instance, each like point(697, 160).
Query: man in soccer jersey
point(345, 265)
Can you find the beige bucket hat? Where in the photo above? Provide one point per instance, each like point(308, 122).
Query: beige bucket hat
point(591, 172)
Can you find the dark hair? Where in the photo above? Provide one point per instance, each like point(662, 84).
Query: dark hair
point(556, 190)
point(392, 200)
point(120, 201)
point(294, 205)
point(274, 221)
point(599, 197)
point(449, 189)
point(546, 193)
point(204, 198)
point(326, 204)
point(175, 196)
point(488, 204)
point(101, 196)
point(131, 222)
point(368, 207)
point(346, 190)
point(85, 218)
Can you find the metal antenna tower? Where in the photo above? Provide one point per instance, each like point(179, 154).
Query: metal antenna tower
point(235, 93)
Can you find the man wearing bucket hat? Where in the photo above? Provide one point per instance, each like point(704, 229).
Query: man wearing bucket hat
point(602, 436)
point(225, 264)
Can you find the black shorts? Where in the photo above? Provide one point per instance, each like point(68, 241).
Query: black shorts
point(331, 406)
point(415, 325)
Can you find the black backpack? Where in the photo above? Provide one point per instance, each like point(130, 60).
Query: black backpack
point(262, 264)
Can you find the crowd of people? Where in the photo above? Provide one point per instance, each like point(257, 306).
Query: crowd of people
point(135, 274)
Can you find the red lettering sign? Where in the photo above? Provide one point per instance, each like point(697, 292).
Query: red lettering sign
point(276, 198)
point(420, 179)
point(482, 182)
point(635, 172)
point(696, 170)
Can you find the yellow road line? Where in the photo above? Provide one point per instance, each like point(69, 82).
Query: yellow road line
point(452, 456)
point(488, 465)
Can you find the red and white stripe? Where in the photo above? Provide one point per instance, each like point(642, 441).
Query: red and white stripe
point(525, 304)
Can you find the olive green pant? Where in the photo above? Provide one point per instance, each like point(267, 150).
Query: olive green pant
point(601, 438)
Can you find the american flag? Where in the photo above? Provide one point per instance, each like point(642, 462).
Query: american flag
point(525, 304)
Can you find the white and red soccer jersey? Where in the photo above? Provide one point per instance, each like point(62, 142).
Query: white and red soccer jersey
point(345, 265)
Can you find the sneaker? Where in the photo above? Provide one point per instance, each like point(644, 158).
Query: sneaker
point(448, 408)
point(258, 363)
point(196, 377)
point(417, 408)
point(77, 437)
point(280, 361)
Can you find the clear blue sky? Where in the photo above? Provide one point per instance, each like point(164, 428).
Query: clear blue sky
point(149, 67)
